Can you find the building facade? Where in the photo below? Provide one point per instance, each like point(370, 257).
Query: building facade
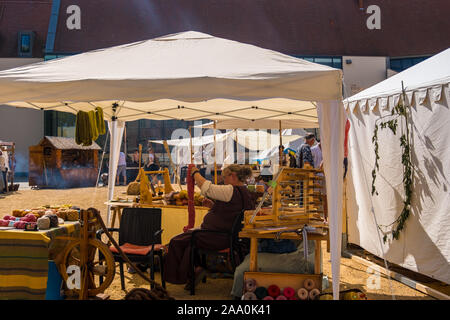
point(368, 39)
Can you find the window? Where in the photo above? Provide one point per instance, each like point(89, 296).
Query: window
point(334, 62)
point(25, 44)
point(400, 64)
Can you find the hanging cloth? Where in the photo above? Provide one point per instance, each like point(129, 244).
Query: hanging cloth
point(93, 125)
point(100, 121)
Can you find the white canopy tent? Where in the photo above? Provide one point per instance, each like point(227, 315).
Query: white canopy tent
point(189, 76)
point(424, 244)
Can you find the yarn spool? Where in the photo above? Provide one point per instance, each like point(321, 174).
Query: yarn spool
point(288, 292)
point(268, 298)
point(43, 223)
point(273, 291)
point(309, 284)
point(249, 296)
point(281, 297)
point(250, 285)
point(53, 220)
point(314, 293)
point(302, 293)
point(261, 292)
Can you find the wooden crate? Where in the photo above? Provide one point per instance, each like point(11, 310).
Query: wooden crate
point(282, 280)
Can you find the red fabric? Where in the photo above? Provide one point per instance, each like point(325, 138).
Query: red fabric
point(191, 207)
point(347, 129)
point(129, 248)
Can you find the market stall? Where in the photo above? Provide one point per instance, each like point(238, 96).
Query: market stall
point(193, 76)
point(59, 162)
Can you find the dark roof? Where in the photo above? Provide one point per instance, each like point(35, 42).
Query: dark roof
point(63, 143)
point(295, 27)
point(25, 15)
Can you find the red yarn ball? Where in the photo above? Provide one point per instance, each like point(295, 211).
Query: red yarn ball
point(273, 291)
point(288, 292)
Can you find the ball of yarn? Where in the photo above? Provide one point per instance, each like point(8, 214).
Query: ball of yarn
point(17, 213)
point(4, 223)
point(72, 215)
point(314, 293)
point(62, 214)
point(288, 292)
point(29, 217)
point(267, 298)
point(249, 296)
point(250, 285)
point(308, 284)
point(261, 292)
point(273, 291)
point(20, 224)
point(53, 220)
point(7, 217)
point(281, 297)
point(43, 223)
point(302, 293)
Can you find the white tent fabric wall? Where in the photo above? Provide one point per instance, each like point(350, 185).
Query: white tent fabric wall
point(332, 121)
point(191, 76)
point(424, 243)
point(116, 129)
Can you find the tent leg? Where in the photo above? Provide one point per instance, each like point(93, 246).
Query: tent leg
point(111, 171)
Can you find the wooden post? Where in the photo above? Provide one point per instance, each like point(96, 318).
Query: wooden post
point(253, 254)
point(280, 153)
point(215, 151)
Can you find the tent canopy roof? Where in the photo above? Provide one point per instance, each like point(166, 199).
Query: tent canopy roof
point(186, 76)
point(421, 81)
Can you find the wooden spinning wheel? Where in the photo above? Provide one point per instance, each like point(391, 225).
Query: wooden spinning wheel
point(92, 267)
point(87, 258)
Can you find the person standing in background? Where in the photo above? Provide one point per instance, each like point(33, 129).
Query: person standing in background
point(122, 169)
point(316, 152)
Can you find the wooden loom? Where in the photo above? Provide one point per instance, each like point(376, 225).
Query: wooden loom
point(146, 187)
point(287, 193)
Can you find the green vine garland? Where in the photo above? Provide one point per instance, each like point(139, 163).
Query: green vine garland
point(399, 111)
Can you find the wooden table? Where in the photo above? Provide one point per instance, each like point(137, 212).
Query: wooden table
point(173, 218)
point(24, 257)
point(255, 234)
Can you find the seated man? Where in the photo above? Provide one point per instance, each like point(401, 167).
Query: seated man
point(289, 262)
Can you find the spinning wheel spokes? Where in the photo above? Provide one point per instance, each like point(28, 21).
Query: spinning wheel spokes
point(99, 263)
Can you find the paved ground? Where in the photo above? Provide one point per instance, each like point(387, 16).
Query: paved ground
point(353, 274)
